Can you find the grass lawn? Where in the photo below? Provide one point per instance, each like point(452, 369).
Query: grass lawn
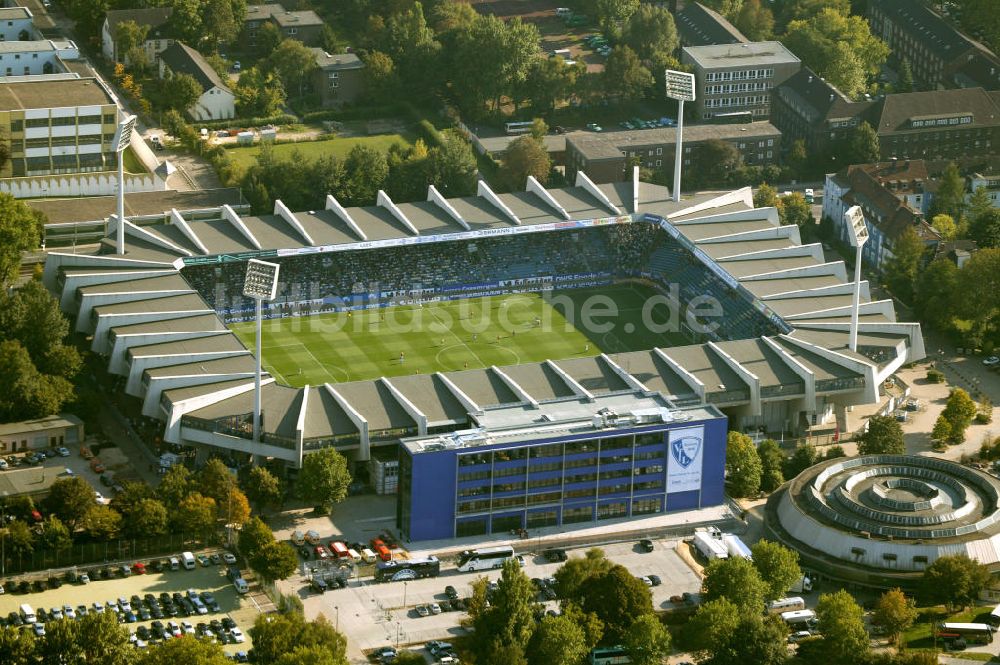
point(472, 333)
point(339, 147)
point(919, 636)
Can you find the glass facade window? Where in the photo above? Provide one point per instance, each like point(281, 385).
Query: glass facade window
point(646, 506)
point(474, 475)
point(509, 487)
point(648, 485)
point(579, 463)
point(467, 492)
point(504, 523)
point(578, 514)
point(649, 439)
point(552, 450)
point(509, 502)
point(548, 466)
point(543, 482)
point(576, 447)
point(614, 489)
point(474, 506)
point(471, 527)
point(509, 471)
point(547, 497)
point(586, 493)
point(540, 518)
point(609, 511)
point(510, 454)
point(474, 458)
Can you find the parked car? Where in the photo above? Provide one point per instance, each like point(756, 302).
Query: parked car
point(450, 592)
point(423, 610)
point(555, 555)
point(646, 545)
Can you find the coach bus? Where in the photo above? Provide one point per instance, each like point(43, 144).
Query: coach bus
point(798, 616)
point(995, 616)
point(518, 127)
point(782, 605)
point(608, 656)
point(397, 571)
point(732, 118)
point(980, 633)
point(485, 559)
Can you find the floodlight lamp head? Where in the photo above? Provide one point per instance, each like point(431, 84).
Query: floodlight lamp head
point(261, 281)
point(680, 85)
point(857, 230)
point(124, 133)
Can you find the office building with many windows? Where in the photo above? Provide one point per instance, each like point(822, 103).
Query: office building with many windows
point(731, 78)
point(565, 462)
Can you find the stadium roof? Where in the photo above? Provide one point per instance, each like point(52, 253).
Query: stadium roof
point(747, 248)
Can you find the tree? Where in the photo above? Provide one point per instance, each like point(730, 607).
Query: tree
point(755, 640)
point(367, 170)
point(525, 156)
point(69, 499)
point(589, 623)
point(945, 225)
point(20, 541)
point(937, 288)
point(803, 458)
point(216, 480)
point(275, 561)
point(195, 514)
point(61, 643)
point(148, 519)
point(381, 79)
point(324, 478)
point(259, 92)
point(31, 315)
point(959, 411)
point(712, 163)
point(130, 38)
point(174, 486)
point(902, 269)
point(102, 523)
point(573, 575)
point(743, 468)
point(954, 580)
point(624, 76)
point(711, 623)
point(276, 634)
point(864, 147)
point(978, 203)
point(979, 17)
point(17, 647)
point(905, 83)
point(798, 157)
point(884, 437)
point(104, 640)
point(263, 488)
point(978, 297)
point(489, 59)
point(452, 166)
point(24, 391)
point(771, 461)
point(766, 196)
point(950, 196)
point(612, 13)
point(756, 21)
point(254, 536)
point(795, 210)
point(221, 21)
point(985, 228)
point(558, 640)
point(510, 617)
point(268, 37)
point(21, 229)
point(55, 537)
point(736, 580)
point(410, 42)
point(652, 34)
point(181, 91)
point(837, 46)
point(941, 430)
point(294, 63)
point(617, 597)
point(894, 613)
point(778, 567)
point(841, 622)
point(551, 80)
point(647, 641)
point(185, 650)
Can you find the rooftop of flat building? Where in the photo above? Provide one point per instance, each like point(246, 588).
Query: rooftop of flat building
point(715, 56)
point(53, 94)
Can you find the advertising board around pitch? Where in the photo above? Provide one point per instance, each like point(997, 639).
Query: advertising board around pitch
point(687, 446)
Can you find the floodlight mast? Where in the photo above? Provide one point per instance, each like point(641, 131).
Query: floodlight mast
point(123, 136)
point(260, 283)
point(857, 235)
point(680, 87)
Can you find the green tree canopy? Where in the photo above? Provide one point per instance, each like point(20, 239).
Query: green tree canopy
point(902, 269)
point(762, 641)
point(148, 519)
point(945, 225)
point(954, 580)
point(175, 485)
point(275, 561)
point(105, 641)
point(778, 567)
point(985, 228)
point(652, 34)
point(102, 523)
point(259, 92)
point(367, 170)
point(186, 650)
point(17, 647)
point(617, 597)
point(894, 613)
point(254, 536)
point(884, 437)
point(803, 458)
point(771, 462)
point(195, 514)
point(736, 580)
point(647, 641)
point(756, 21)
point(959, 411)
point(558, 639)
point(21, 229)
point(70, 499)
point(263, 488)
point(766, 196)
point(950, 196)
point(743, 468)
point(181, 91)
point(842, 624)
point(794, 209)
point(510, 618)
point(276, 634)
point(710, 626)
point(525, 156)
point(55, 537)
point(625, 77)
point(573, 575)
point(294, 63)
point(324, 478)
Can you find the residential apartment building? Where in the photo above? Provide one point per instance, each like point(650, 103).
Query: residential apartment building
point(32, 58)
point(65, 125)
point(891, 195)
point(158, 37)
point(607, 157)
point(733, 78)
point(305, 26)
point(17, 24)
point(338, 78)
point(939, 55)
point(697, 25)
point(217, 100)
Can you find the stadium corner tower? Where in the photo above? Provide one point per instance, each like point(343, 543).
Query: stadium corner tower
point(615, 430)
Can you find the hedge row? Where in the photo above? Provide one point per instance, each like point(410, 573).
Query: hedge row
point(280, 119)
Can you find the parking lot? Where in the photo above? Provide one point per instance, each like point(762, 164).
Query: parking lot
point(377, 615)
point(209, 579)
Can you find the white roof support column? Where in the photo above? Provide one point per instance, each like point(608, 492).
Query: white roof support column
point(152, 238)
point(570, 381)
point(583, 181)
point(418, 416)
point(696, 385)
point(333, 205)
point(635, 189)
point(384, 201)
point(300, 424)
point(230, 215)
point(751, 379)
point(538, 190)
point(177, 220)
point(808, 378)
point(434, 196)
point(513, 385)
point(459, 394)
point(633, 383)
point(483, 190)
point(282, 211)
point(365, 449)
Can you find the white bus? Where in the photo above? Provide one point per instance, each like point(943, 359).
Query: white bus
point(798, 616)
point(995, 616)
point(519, 127)
point(970, 632)
point(484, 559)
point(782, 605)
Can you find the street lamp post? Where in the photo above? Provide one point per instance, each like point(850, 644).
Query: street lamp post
point(857, 234)
point(260, 283)
point(337, 608)
point(122, 137)
point(404, 595)
point(680, 87)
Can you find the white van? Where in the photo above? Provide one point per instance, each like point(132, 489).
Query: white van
point(564, 52)
point(354, 555)
point(241, 585)
point(28, 614)
point(299, 539)
point(188, 559)
point(563, 11)
point(368, 556)
point(175, 564)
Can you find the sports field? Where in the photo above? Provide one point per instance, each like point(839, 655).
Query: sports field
point(463, 334)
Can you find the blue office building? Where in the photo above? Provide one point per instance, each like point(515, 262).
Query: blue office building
point(565, 462)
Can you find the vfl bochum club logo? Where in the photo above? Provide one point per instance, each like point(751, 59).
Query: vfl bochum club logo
point(685, 450)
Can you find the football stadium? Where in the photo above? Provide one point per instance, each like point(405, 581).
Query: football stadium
point(531, 359)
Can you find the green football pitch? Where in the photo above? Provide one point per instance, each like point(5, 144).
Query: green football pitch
point(461, 334)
